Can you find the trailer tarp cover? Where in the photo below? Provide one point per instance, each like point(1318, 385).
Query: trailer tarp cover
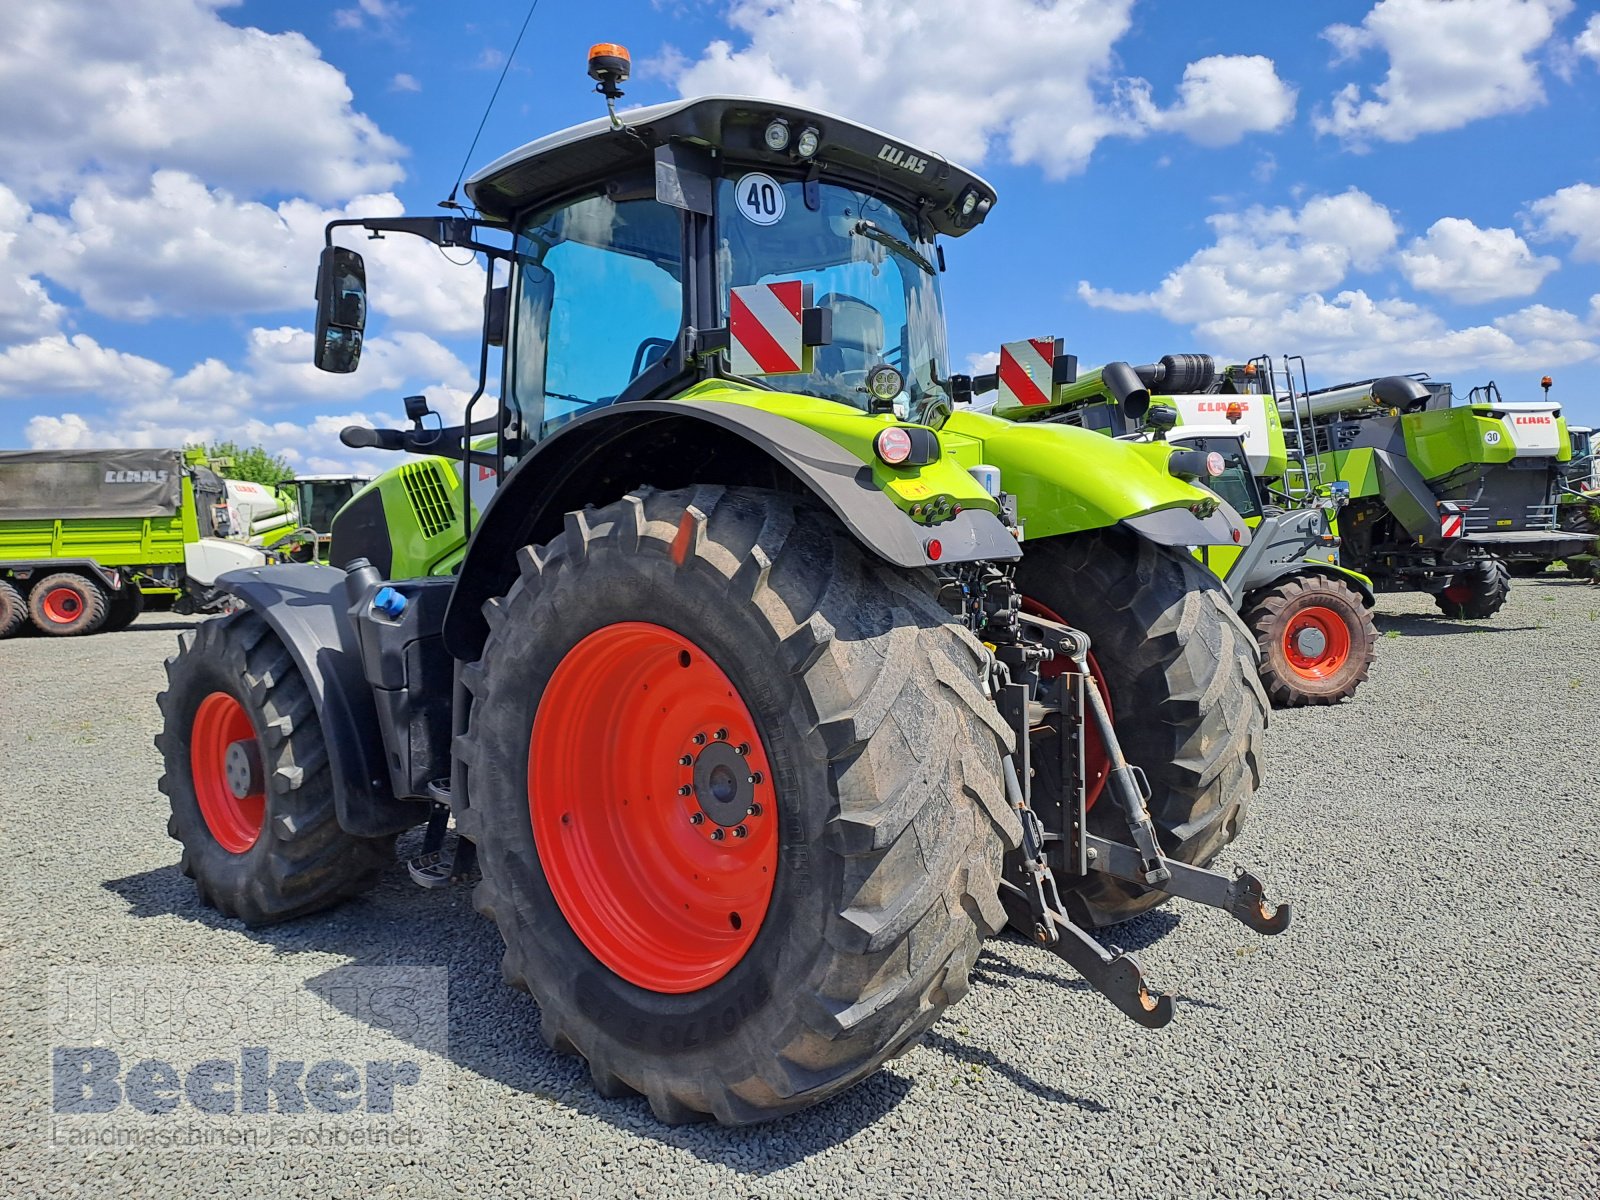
point(59, 484)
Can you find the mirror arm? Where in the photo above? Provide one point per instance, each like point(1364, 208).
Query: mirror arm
point(441, 231)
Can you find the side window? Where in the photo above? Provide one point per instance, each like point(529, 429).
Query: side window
point(598, 300)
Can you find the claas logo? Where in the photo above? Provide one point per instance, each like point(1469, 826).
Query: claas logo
point(136, 476)
point(1227, 407)
point(1534, 420)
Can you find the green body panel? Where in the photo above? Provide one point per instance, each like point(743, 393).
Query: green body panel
point(1068, 479)
point(1438, 443)
point(422, 510)
point(109, 541)
point(1355, 467)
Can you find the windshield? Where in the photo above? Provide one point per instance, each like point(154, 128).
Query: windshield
point(864, 262)
point(1235, 485)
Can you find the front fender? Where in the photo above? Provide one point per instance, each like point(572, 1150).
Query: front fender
point(1068, 479)
point(759, 439)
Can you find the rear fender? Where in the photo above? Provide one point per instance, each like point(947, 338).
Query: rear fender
point(602, 456)
point(307, 607)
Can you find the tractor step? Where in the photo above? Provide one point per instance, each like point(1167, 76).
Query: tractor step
point(437, 867)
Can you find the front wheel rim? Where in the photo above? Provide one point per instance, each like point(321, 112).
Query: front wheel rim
point(1316, 642)
point(653, 810)
point(221, 725)
point(62, 605)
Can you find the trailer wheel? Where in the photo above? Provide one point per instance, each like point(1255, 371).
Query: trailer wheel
point(67, 605)
point(1187, 704)
point(1477, 590)
point(124, 608)
point(737, 795)
point(1317, 640)
point(13, 609)
point(247, 776)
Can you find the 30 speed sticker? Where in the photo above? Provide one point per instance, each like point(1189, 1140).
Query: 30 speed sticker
point(759, 198)
point(1491, 437)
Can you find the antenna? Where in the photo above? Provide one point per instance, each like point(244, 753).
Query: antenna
point(450, 200)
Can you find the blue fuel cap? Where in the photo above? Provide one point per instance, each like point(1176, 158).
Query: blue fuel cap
point(389, 602)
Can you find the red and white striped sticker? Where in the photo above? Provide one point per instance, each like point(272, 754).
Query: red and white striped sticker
point(1026, 371)
point(765, 334)
point(1450, 525)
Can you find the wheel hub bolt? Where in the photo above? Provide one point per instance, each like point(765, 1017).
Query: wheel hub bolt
point(685, 790)
point(696, 818)
point(699, 739)
point(717, 835)
point(753, 811)
point(686, 761)
point(742, 748)
point(754, 778)
point(721, 735)
point(740, 831)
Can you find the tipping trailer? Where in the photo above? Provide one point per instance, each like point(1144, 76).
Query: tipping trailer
point(740, 691)
point(1445, 498)
point(84, 534)
point(1310, 614)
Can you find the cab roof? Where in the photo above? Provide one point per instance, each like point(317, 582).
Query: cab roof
point(730, 127)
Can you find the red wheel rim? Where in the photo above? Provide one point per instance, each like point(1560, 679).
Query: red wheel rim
point(235, 821)
point(1457, 593)
point(643, 766)
point(1096, 762)
point(1316, 642)
point(62, 605)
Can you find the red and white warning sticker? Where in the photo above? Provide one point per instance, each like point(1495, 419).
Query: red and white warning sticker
point(1026, 370)
point(765, 333)
point(1450, 525)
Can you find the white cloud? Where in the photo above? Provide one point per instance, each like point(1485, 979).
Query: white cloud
point(58, 363)
point(141, 84)
point(1263, 257)
point(1220, 99)
point(1451, 62)
point(404, 83)
point(1573, 212)
point(1032, 78)
point(26, 309)
point(1587, 43)
point(1469, 265)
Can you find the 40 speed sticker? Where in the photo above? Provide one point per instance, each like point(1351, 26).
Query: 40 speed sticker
point(760, 198)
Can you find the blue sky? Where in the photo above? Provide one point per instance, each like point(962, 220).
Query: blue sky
point(1411, 185)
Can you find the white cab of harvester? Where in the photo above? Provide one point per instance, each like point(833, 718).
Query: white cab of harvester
point(1533, 426)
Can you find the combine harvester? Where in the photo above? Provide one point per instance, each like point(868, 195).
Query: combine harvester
point(1311, 616)
point(1443, 498)
point(85, 534)
point(741, 690)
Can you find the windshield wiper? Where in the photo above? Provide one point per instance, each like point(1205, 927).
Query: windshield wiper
point(899, 245)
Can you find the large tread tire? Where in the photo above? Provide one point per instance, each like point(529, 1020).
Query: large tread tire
point(1270, 616)
point(13, 609)
point(302, 861)
point(1476, 591)
point(886, 752)
point(1186, 699)
point(88, 597)
point(125, 608)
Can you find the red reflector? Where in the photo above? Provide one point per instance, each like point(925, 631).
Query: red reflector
point(893, 446)
point(1236, 535)
point(935, 550)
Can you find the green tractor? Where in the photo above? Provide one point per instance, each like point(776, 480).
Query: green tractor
point(1311, 616)
point(1445, 498)
point(742, 690)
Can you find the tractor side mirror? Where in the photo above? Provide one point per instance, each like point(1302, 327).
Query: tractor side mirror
point(341, 310)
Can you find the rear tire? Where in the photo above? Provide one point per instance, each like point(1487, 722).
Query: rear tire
point(277, 852)
point(1317, 640)
point(67, 605)
point(13, 609)
point(884, 752)
point(1186, 700)
point(124, 608)
point(1476, 591)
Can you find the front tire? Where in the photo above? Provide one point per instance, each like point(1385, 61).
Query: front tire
point(1317, 640)
point(1180, 675)
point(67, 605)
point(13, 609)
point(878, 811)
point(248, 780)
point(1476, 591)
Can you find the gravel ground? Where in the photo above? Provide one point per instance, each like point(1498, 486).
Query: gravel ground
point(1427, 1028)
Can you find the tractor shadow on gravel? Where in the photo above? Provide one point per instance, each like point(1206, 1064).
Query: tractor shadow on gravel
point(493, 1029)
point(1436, 625)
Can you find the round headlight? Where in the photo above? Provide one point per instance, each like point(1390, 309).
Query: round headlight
point(968, 203)
point(810, 139)
point(777, 135)
point(884, 382)
point(893, 445)
point(1215, 465)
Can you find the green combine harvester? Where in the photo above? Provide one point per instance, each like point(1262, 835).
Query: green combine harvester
point(1444, 498)
point(1310, 615)
point(86, 535)
point(1578, 505)
point(740, 687)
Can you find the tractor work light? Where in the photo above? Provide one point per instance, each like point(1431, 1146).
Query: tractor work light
point(809, 141)
point(777, 135)
point(884, 383)
point(969, 203)
point(893, 445)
